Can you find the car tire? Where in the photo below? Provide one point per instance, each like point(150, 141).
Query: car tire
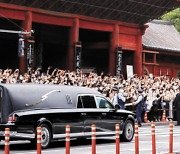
point(46, 135)
point(128, 131)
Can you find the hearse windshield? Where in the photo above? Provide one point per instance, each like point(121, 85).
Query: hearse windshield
point(103, 103)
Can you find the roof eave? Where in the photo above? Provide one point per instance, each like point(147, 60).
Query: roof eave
point(160, 48)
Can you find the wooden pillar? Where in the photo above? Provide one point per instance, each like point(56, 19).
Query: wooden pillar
point(154, 58)
point(138, 53)
point(114, 41)
point(73, 37)
point(154, 63)
point(27, 26)
point(138, 57)
point(143, 61)
point(144, 57)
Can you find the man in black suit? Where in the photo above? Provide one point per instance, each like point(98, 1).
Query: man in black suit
point(176, 105)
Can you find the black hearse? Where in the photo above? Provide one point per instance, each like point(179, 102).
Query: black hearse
point(24, 107)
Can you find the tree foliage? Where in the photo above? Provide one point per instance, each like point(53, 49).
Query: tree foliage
point(174, 17)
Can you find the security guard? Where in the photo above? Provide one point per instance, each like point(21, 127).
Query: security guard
point(118, 99)
point(139, 103)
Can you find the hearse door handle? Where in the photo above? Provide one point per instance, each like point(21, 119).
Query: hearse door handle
point(83, 114)
point(104, 114)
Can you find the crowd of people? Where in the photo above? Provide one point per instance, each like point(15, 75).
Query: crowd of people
point(158, 92)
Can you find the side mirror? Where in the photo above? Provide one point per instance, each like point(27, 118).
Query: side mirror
point(117, 107)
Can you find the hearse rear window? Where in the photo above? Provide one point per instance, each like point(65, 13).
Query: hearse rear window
point(86, 102)
point(79, 105)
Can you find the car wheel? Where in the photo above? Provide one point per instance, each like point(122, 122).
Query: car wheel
point(45, 136)
point(128, 131)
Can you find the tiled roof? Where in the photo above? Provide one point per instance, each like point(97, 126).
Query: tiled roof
point(161, 35)
point(130, 11)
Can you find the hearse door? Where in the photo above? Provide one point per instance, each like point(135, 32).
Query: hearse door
point(89, 113)
point(71, 117)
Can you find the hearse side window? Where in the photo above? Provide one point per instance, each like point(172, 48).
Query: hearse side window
point(79, 104)
point(103, 103)
point(88, 101)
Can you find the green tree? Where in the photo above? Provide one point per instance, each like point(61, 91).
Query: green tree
point(174, 17)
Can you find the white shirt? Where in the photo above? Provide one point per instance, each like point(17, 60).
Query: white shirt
point(140, 98)
point(116, 96)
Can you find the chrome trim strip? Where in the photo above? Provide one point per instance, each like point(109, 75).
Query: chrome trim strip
point(103, 133)
point(19, 135)
point(73, 110)
point(56, 136)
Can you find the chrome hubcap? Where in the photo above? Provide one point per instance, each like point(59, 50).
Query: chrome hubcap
point(129, 131)
point(45, 136)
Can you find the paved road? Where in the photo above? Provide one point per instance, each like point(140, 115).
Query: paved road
point(107, 146)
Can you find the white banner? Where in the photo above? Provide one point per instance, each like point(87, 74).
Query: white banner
point(129, 69)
